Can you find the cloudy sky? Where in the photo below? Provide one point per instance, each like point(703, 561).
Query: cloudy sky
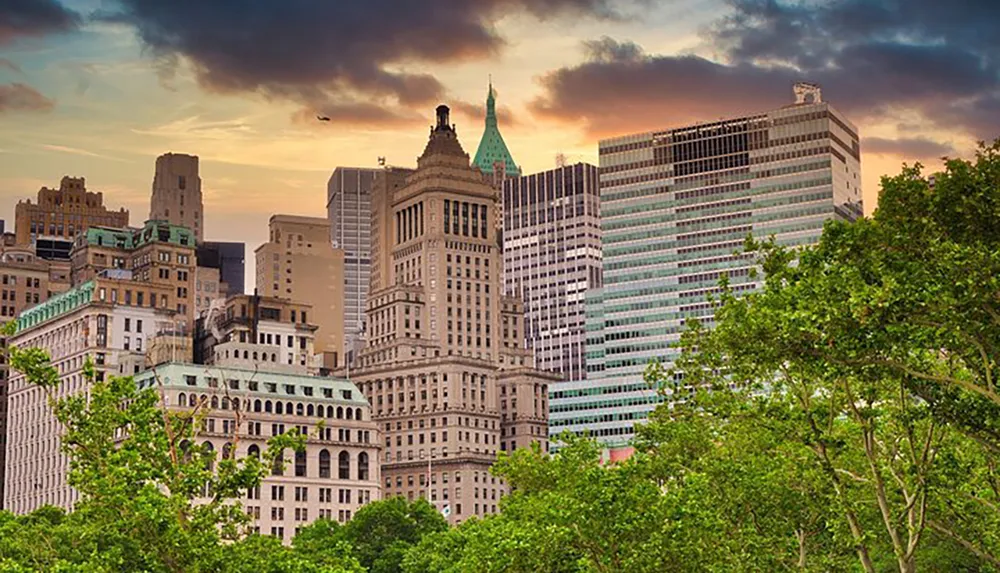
point(99, 88)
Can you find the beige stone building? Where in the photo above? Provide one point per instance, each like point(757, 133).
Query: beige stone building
point(299, 263)
point(445, 369)
point(157, 255)
point(177, 195)
point(63, 213)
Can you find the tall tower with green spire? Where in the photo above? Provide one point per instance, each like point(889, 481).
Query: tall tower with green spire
point(493, 152)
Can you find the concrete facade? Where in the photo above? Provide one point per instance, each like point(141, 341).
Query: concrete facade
point(176, 196)
point(445, 368)
point(63, 213)
point(335, 475)
point(299, 264)
point(675, 206)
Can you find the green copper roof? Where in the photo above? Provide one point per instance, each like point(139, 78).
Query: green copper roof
point(492, 147)
point(56, 306)
point(130, 239)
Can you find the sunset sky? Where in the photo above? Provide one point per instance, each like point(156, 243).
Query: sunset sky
point(98, 88)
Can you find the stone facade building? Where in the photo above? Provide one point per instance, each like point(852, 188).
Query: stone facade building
point(177, 196)
point(299, 263)
point(445, 368)
point(63, 213)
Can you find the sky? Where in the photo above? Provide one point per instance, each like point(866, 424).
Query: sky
point(99, 88)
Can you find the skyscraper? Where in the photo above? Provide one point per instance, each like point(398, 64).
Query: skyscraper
point(61, 214)
point(176, 194)
point(552, 256)
point(298, 263)
point(349, 210)
point(675, 205)
point(444, 366)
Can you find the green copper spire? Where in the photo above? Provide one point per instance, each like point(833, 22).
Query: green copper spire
point(492, 147)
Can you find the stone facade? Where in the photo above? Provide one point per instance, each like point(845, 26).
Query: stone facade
point(63, 213)
point(176, 194)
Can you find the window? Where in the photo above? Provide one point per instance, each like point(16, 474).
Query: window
point(324, 463)
point(362, 466)
point(300, 463)
point(344, 465)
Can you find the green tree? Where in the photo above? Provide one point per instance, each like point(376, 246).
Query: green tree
point(147, 503)
point(380, 533)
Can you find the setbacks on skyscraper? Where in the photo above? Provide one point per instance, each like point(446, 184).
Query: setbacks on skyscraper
point(444, 367)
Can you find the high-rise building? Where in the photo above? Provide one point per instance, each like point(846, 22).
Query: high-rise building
point(492, 157)
point(158, 254)
point(176, 194)
point(61, 214)
point(675, 206)
point(229, 259)
point(445, 367)
point(552, 256)
point(299, 263)
point(95, 319)
point(349, 210)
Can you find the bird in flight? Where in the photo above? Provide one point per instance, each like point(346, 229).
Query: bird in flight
point(322, 118)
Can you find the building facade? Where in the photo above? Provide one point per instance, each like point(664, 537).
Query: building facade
point(552, 256)
point(176, 196)
point(93, 321)
point(157, 255)
point(445, 368)
point(299, 263)
point(59, 215)
point(675, 207)
point(332, 477)
point(349, 211)
point(229, 259)
point(249, 331)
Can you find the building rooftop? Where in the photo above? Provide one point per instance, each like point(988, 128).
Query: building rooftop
point(201, 377)
point(129, 239)
point(57, 306)
point(492, 148)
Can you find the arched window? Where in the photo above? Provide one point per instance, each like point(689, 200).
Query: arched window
point(255, 355)
point(246, 355)
point(350, 413)
point(267, 406)
point(209, 451)
point(299, 409)
point(288, 408)
point(186, 450)
point(182, 399)
point(227, 451)
point(310, 411)
point(274, 357)
point(204, 400)
point(278, 468)
point(300, 463)
point(340, 412)
point(215, 402)
point(324, 463)
point(279, 408)
point(363, 466)
point(225, 403)
point(254, 451)
point(357, 414)
point(256, 405)
point(344, 465)
point(236, 404)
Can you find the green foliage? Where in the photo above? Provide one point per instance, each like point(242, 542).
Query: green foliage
point(381, 533)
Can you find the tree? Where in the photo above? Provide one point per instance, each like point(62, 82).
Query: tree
point(879, 345)
point(380, 533)
point(142, 505)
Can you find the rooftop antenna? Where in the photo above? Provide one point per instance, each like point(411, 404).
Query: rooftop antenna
point(381, 161)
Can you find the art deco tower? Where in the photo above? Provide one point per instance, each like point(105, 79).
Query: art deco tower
point(177, 193)
point(445, 367)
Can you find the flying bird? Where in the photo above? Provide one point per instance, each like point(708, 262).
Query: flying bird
point(322, 118)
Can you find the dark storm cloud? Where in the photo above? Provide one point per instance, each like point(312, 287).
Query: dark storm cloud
point(23, 18)
point(873, 58)
point(22, 97)
point(917, 147)
point(334, 54)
